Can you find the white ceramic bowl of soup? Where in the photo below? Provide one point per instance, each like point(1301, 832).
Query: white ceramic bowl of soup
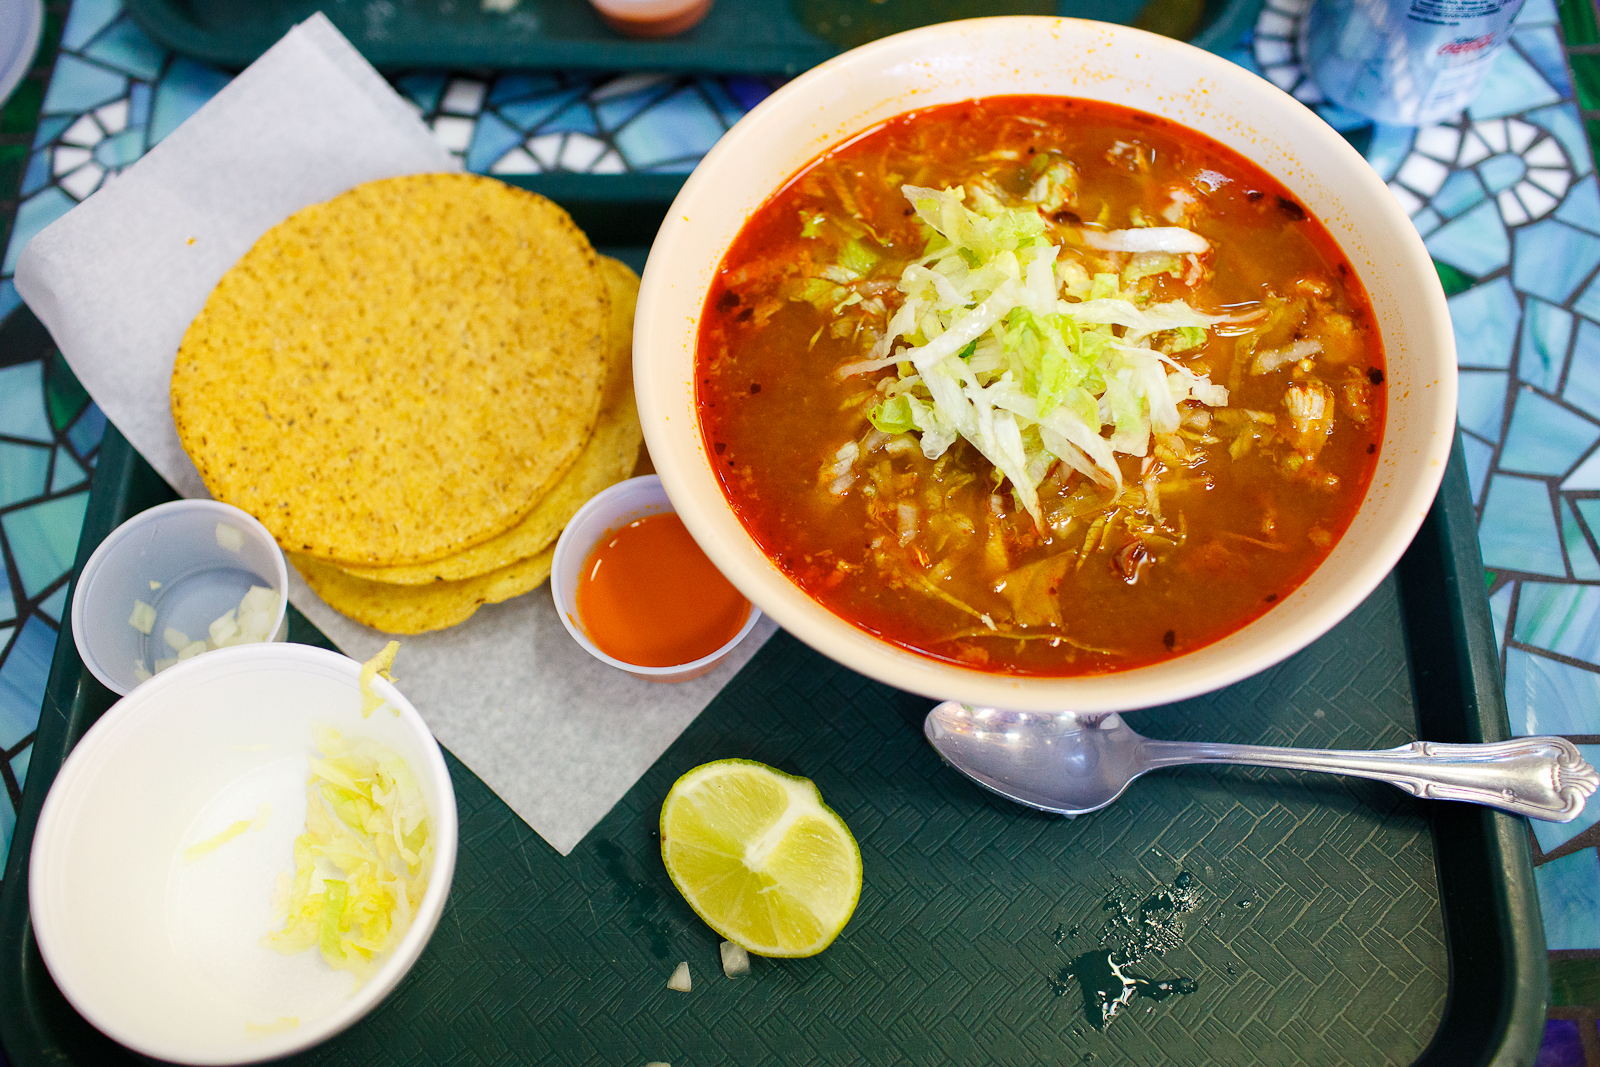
point(159, 946)
point(978, 58)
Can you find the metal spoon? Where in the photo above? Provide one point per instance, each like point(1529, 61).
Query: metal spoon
point(1072, 763)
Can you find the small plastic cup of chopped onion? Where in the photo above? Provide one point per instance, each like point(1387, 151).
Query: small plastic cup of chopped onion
point(173, 582)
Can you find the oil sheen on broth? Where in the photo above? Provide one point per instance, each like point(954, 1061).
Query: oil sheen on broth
point(1040, 386)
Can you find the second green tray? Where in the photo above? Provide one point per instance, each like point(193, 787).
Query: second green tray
point(737, 37)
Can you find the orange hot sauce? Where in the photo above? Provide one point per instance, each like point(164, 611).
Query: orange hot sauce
point(648, 596)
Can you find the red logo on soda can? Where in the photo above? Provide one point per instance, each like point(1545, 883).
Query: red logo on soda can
point(1464, 45)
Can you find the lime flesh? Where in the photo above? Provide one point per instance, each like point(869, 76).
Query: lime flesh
point(760, 857)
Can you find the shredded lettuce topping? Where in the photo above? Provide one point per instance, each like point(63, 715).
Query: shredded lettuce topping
point(1024, 355)
point(361, 867)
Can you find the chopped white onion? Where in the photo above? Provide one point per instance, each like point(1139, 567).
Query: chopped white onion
point(735, 960)
point(177, 640)
point(1147, 239)
point(1271, 359)
point(680, 982)
point(143, 618)
point(230, 537)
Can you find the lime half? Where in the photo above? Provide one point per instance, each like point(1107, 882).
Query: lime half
point(760, 857)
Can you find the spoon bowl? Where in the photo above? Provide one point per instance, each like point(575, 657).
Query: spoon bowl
point(1073, 763)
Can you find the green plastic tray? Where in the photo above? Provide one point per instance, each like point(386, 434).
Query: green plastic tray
point(1333, 921)
point(738, 36)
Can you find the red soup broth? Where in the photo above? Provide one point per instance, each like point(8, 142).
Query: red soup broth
point(1213, 521)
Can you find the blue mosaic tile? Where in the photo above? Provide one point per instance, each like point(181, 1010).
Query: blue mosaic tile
point(1589, 512)
point(1485, 319)
point(1476, 242)
point(1561, 618)
point(1388, 148)
point(723, 103)
point(1513, 85)
point(66, 473)
point(22, 680)
point(1545, 696)
point(576, 117)
point(1583, 375)
point(33, 215)
point(1478, 456)
point(37, 174)
point(614, 111)
point(1564, 121)
point(1342, 118)
point(79, 86)
point(1502, 171)
point(1581, 207)
point(518, 85)
point(1500, 612)
point(87, 18)
point(185, 89)
point(22, 408)
point(424, 90)
point(491, 139)
point(9, 300)
point(8, 612)
point(86, 432)
point(119, 150)
point(44, 539)
point(1553, 259)
point(54, 604)
point(1546, 333)
point(51, 128)
point(1589, 303)
point(140, 98)
point(1561, 1047)
point(1544, 437)
point(1426, 221)
point(1569, 900)
point(19, 763)
point(1518, 528)
point(1541, 45)
point(1481, 402)
point(528, 114)
point(23, 470)
point(679, 127)
point(1460, 191)
point(747, 92)
point(126, 48)
point(1552, 835)
point(1580, 557)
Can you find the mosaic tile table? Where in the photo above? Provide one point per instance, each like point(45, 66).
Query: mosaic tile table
point(1505, 196)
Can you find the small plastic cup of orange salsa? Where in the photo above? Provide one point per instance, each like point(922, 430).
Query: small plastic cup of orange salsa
point(633, 588)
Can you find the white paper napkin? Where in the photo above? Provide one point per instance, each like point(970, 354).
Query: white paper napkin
point(559, 736)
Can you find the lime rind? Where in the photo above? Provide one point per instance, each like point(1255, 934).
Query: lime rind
point(760, 857)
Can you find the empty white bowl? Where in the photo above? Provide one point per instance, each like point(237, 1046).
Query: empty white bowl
point(606, 513)
point(175, 546)
point(163, 954)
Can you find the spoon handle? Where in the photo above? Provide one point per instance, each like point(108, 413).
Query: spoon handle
point(1540, 777)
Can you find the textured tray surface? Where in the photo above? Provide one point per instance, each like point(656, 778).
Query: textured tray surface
point(738, 36)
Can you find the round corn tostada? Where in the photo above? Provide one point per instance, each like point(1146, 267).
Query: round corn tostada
point(399, 373)
point(608, 457)
point(450, 590)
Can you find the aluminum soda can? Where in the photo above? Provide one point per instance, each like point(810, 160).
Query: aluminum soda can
point(1406, 62)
